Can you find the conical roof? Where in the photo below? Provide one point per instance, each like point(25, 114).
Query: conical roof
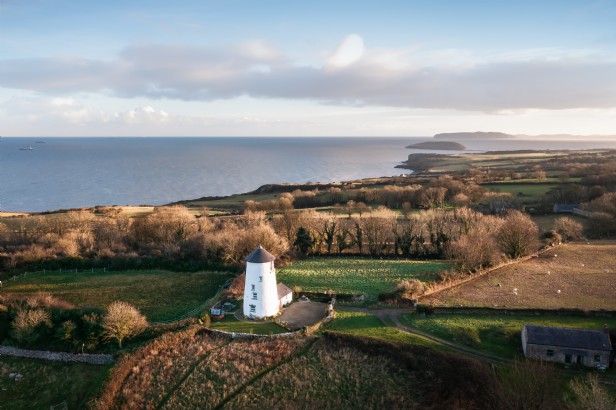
point(260, 255)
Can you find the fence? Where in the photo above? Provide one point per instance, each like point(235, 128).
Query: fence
point(47, 271)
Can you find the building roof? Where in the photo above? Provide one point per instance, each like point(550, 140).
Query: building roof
point(283, 290)
point(260, 255)
point(565, 207)
point(573, 338)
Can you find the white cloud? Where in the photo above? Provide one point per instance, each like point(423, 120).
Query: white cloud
point(352, 75)
point(348, 52)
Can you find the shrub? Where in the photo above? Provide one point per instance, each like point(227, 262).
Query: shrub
point(27, 322)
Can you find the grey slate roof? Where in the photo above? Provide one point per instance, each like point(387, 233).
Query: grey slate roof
point(563, 208)
point(260, 255)
point(283, 290)
point(573, 338)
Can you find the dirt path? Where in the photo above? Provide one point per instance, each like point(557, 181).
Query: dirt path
point(389, 316)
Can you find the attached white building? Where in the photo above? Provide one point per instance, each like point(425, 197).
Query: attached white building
point(263, 297)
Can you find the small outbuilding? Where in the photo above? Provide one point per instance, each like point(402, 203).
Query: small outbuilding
point(590, 348)
point(285, 295)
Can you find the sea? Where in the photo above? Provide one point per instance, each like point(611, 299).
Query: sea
point(43, 173)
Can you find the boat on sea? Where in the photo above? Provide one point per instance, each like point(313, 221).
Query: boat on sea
point(26, 149)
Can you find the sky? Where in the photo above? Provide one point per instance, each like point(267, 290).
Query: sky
point(317, 68)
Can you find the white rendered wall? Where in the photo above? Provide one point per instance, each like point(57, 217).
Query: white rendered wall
point(263, 277)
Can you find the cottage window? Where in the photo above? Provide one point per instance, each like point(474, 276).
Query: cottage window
point(550, 353)
point(597, 358)
point(254, 295)
point(253, 308)
point(567, 358)
point(252, 287)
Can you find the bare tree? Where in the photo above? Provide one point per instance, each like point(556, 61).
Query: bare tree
point(569, 229)
point(518, 235)
point(123, 321)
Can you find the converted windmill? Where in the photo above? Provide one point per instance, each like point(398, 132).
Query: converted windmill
point(263, 297)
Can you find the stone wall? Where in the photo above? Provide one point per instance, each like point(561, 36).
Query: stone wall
point(57, 356)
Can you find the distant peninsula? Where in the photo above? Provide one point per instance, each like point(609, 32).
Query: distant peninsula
point(474, 136)
point(438, 145)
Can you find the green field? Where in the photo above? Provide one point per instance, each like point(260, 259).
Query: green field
point(356, 275)
point(231, 324)
point(45, 384)
point(495, 334)
point(536, 190)
point(160, 295)
point(367, 325)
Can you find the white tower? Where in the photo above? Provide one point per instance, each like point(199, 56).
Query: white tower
point(260, 290)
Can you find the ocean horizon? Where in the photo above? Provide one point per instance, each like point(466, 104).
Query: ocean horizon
point(76, 172)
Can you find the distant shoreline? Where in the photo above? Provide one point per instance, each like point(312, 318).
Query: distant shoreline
point(438, 145)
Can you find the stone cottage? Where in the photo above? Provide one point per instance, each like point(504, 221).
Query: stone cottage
point(590, 348)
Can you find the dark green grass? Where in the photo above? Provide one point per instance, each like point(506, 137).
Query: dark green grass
point(356, 275)
point(231, 324)
point(45, 384)
point(160, 295)
point(495, 334)
point(535, 190)
point(367, 325)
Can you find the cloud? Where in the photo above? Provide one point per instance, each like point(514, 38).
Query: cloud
point(348, 52)
point(352, 75)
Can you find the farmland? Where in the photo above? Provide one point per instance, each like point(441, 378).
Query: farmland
point(356, 275)
point(192, 369)
point(585, 275)
point(160, 295)
point(367, 325)
point(230, 324)
point(495, 334)
point(48, 383)
point(523, 192)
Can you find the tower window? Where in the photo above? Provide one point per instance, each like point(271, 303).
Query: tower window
point(260, 278)
point(253, 308)
point(252, 287)
point(254, 295)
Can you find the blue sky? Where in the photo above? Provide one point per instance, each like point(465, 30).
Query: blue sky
point(319, 68)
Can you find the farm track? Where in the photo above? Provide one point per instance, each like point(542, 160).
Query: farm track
point(393, 315)
point(263, 373)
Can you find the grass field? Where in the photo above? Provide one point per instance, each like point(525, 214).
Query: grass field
point(522, 191)
point(496, 334)
point(584, 273)
point(231, 324)
point(45, 384)
point(160, 295)
point(367, 325)
point(356, 275)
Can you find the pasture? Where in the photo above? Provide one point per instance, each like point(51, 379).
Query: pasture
point(193, 369)
point(522, 192)
point(495, 334)
point(572, 276)
point(160, 295)
point(356, 275)
point(231, 324)
point(45, 384)
point(367, 325)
